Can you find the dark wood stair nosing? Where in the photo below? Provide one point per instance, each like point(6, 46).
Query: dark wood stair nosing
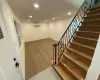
point(82, 65)
point(72, 71)
point(80, 53)
point(93, 11)
point(85, 38)
point(60, 72)
point(90, 32)
point(92, 15)
point(86, 21)
point(91, 25)
point(82, 45)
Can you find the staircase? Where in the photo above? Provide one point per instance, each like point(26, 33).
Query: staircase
point(74, 52)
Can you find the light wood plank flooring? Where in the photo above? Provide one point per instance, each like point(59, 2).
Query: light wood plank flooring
point(38, 56)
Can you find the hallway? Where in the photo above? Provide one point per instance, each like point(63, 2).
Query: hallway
point(38, 56)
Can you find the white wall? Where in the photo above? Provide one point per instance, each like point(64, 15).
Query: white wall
point(15, 51)
point(31, 33)
point(94, 69)
point(58, 27)
point(54, 29)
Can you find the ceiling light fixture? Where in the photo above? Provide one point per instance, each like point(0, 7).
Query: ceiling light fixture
point(28, 20)
point(46, 21)
point(69, 13)
point(36, 5)
point(30, 16)
point(53, 18)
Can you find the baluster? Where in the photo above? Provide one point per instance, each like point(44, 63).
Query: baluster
point(58, 51)
point(70, 31)
point(68, 34)
point(63, 43)
point(65, 39)
point(60, 47)
point(55, 53)
point(91, 4)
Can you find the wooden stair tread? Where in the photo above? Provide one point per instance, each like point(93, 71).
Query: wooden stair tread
point(93, 15)
point(92, 11)
point(91, 20)
point(86, 38)
point(91, 25)
point(72, 70)
point(89, 32)
point(95, 7)
point(80, 53)
point(95, 10)
point(62, 73)
point(78, 62)
point(90, 47)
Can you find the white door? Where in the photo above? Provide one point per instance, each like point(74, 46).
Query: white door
point(7, 63)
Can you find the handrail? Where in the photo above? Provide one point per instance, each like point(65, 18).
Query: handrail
point(61, 46)
point(71, 21)
point(74, 18)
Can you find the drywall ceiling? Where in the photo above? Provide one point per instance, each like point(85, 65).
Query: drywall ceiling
point(48, 9)
point(76, 3)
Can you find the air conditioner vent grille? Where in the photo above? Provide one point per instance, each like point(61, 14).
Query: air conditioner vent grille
point(36, 25)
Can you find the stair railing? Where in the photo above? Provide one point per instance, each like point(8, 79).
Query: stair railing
point(64, 42)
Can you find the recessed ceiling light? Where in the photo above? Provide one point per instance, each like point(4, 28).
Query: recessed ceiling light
point(53, 18)
point(30, 16)
point(69, 13)
point(36, 5)
point(28, 20)
point(46, 21)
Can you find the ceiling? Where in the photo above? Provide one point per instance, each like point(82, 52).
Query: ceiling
point(76, 3)
point(48, 9)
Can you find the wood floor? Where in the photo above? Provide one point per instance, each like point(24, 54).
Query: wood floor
point(38, 56)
